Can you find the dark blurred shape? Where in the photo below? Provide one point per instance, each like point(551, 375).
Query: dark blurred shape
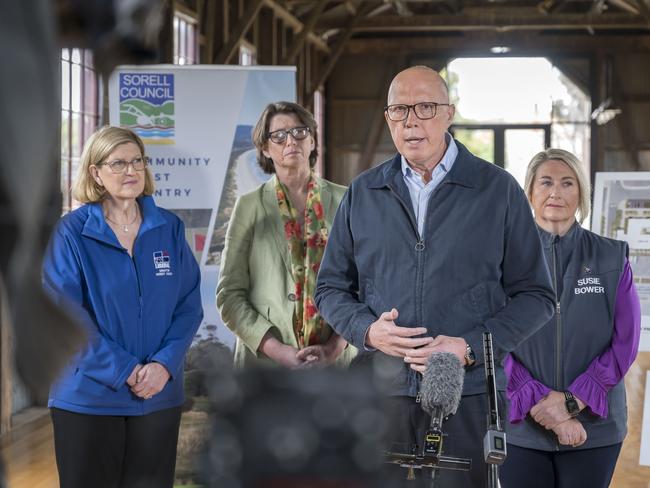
point(201, 362)
point(118, 31)
point(309, 428)
point(30, 197)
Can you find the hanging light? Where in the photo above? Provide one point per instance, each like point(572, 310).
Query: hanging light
point(605, 112)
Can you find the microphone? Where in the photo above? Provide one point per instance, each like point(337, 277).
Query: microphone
point(440, 393)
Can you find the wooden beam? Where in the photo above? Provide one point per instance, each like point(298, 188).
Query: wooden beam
point(225, 22)
point(226, 52)
point(267, 46)
point(378, 121)
point(166, 35)
point(500, 20)
point(338, 50)
point(183, 8)
point(627, 5)
point(479, 44)
point(299, 42)
point(644, 10)
point(624, 123)
point(296, 25)
point(210, 31)
point(597, 94)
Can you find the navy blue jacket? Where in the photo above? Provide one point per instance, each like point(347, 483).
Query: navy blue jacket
point(580, 330)
point(136, 310)
point(478, 266)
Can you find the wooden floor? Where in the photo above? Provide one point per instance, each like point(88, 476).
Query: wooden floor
point(28, 452)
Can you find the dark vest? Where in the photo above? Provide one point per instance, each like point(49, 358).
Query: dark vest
point(585, 269)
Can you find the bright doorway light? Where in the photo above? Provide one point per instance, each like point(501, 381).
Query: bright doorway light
point(511, 108)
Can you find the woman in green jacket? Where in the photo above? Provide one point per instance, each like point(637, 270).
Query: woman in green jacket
point(274, 246)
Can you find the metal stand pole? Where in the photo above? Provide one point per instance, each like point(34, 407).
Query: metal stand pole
point(492, 476)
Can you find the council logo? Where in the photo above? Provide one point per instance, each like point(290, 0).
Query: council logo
point(147, 106)
point(162, 263)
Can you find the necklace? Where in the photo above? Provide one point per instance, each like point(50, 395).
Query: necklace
point(125, 227)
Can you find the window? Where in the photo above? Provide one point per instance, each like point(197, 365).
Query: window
point(79, 113)
point(247, 54)
point(508, 109)
point(186, 50)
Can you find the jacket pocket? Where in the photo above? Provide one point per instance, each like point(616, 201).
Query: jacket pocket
point(470, 308)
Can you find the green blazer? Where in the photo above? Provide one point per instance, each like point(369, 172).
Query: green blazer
point(255, 293)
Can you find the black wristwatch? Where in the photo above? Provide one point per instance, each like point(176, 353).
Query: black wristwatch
point(571, 404)
point(470, 357)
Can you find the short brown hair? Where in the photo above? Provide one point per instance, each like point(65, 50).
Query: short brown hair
point(261, 131)
point(97, 148)
point(584, 186)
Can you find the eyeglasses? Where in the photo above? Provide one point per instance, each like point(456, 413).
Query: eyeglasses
point(280, 136)
point(119, 165)
point(423, 110)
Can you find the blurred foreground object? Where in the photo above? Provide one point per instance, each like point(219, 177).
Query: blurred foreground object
point(118, 31)
point(30, 198)
point(279, 428)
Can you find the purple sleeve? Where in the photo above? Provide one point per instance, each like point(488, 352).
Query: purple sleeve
point(523, 390)
point(609, 368)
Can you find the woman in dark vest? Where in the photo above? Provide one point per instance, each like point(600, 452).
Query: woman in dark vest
point(567, 411)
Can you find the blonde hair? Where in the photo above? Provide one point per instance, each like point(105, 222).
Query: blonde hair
point(584, 185)
point(97, 148)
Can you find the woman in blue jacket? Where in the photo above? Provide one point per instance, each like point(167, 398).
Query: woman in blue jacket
point(123, 267)
point(567, 409)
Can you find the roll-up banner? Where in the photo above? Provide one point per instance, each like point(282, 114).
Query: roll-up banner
point(196, 123)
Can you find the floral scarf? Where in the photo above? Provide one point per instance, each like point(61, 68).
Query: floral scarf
point(306, 247)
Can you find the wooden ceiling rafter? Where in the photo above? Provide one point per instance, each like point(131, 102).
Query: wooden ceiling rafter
point(337, 50)
point(229, 49)
point(495, 20)
point(307, 29)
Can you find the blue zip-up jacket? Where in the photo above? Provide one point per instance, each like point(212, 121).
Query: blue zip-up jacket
point(478, 266)
point(136, 310)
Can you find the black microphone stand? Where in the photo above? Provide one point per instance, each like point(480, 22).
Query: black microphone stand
point(494, 442)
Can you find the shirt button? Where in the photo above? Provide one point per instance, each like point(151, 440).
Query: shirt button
point(292, 297)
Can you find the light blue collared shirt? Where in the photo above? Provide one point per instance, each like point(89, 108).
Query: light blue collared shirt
point(420, 191)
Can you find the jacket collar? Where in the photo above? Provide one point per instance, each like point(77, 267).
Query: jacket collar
point(97, 228)
point(568, 240)
point(463, 172)
point(275, 226)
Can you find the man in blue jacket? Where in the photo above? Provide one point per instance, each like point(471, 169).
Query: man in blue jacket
point(427, 251)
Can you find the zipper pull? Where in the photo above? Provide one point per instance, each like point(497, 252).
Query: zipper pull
point(418, 397)
point(557, 307)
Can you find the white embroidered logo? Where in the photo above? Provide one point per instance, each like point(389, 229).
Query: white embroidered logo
point(162, 263)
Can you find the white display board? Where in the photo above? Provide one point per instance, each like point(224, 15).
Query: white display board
point(622, 211)
point(644, 455)
point(196, 122)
